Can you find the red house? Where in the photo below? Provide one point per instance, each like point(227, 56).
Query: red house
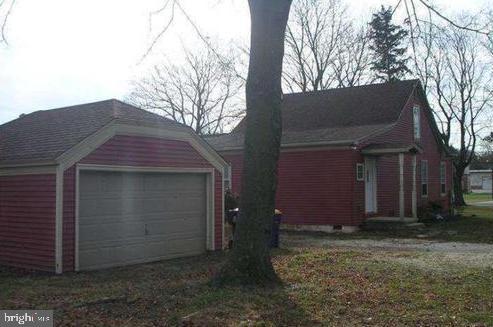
point(105, 184)
point(351, 153)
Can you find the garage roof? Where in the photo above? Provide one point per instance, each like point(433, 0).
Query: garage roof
point(44, 135)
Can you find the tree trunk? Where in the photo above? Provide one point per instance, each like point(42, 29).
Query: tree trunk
point(249, 261)
point(458, 190)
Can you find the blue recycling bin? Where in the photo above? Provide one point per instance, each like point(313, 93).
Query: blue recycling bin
point(276, 224)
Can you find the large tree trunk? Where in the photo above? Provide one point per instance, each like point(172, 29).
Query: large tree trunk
point(458, 190)
point(249, 261)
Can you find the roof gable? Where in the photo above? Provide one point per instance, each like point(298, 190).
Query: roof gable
point(44, 135)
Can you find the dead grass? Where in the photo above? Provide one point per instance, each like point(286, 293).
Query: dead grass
point(321, 287)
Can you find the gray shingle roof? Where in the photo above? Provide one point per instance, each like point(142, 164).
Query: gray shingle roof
point(44, 135)
point(336, 116)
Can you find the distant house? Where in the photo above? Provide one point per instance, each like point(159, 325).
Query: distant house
point(478, 180)
point(105, 184)
point(352, 153)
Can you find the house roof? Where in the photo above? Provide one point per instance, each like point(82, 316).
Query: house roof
point(44, 135)
point(335, 116)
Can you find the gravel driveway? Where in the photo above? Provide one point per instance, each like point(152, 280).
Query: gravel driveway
point(429, 254)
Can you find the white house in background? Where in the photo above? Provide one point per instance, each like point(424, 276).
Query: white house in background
point(479, 181)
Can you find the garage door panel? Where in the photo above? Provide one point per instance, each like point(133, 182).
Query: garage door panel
point(177, 226)
point(140, 217)
point(111, 231)
point(174, 205)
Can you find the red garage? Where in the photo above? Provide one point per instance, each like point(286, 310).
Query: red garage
point(105, 184)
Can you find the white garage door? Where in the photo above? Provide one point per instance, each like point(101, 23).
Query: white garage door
point(127, 218)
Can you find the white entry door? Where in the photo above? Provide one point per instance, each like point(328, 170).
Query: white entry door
point(370, 185)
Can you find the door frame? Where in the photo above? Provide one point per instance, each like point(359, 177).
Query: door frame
point(210, 189)
point(371, 163)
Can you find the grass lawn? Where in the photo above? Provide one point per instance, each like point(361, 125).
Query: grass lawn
point(474, 225)
point(322, 286)
point(477, 197)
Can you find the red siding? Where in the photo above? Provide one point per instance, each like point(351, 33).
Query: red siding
point(307, 196)
point(388, 166)
point(138, 151)
point(27, 221)
point(320, 187)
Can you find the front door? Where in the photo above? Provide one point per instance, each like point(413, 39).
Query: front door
point(370, 185)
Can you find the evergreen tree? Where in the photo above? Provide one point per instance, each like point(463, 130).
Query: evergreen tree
point(389, 61)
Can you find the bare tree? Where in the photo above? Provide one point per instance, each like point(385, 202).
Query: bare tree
point(250, 261)
point(458, 81)
point(322, 48)
point(6, 7)
point(353, 61)
point(203, 92)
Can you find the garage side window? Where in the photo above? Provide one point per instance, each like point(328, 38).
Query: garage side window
point(443, 178)
point(227, 177)
point(424, 178)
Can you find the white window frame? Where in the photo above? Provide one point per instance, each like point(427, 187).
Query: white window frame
point(360, 178)
point(443, 178)
point(424, 178)
point(227, 177)
point(417, 122)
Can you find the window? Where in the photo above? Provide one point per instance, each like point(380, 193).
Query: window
point(227, 177)
point(424, 178)
point(417, 122)
point(443, 178)
point(360, 172)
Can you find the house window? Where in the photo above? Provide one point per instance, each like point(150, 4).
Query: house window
point(424, 178)
point(443, 178)
point(227, 177)
point(417, 122)
point(360, 172)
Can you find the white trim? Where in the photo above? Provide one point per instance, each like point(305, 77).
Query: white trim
point(416, 122)
point(373, 167)
point(427, 178)
point(210, 190)
point(59, 221)
point(335, 144)
point(414, 196)
point(401, 185)
point(144, 169)
point(444, 166)
point(392, 150)
point(362, 177)
point(76, 237)
point(223, 212)
point(28, 170)
point(94, 141)
point(211, 242)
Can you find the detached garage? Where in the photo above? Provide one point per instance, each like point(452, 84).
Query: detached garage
point(105, 184)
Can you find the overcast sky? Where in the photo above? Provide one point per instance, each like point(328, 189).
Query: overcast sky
point(65, 52)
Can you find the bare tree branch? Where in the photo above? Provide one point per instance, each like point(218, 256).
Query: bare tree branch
point(202, 93)
point(323, 50)
point(6, 8)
